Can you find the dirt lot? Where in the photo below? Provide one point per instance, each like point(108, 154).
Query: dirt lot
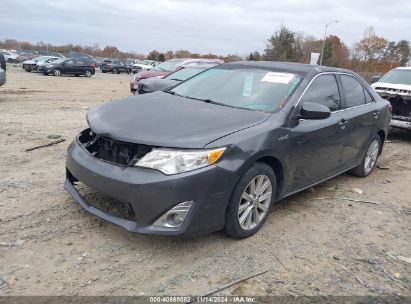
point(312, 243)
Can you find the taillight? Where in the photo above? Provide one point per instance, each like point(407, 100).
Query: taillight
point(390, 108)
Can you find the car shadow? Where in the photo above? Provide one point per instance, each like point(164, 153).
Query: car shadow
point(399, 134)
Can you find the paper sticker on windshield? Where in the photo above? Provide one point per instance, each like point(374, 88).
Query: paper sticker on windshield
point(248, 85)
point(276, 77)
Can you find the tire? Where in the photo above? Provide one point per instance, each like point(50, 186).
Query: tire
point(45, 74)
point(115, 71)
point(369, 160)
point(128, 71)
point(27, 68)
point(88, 73)
point(104, 72)
point(244, 223)
point(57, 72)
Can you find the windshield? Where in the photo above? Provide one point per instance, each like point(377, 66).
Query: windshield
point(398, 77)
point(184, 74)
point(241, 88)
point(167, 66)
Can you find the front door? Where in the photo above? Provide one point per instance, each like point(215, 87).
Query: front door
point(317, 144)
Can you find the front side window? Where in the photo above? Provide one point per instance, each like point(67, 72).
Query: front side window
point(353, 90)
point(324, 90)
point(246, 88)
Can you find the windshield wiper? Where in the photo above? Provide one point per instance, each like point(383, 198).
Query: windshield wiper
point(207, 100)
point(173, 93)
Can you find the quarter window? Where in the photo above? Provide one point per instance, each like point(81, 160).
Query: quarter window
point(368, 97)
point(354, 92)
point(324, 90)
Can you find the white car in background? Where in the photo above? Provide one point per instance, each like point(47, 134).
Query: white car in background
point(35, 63)
point(143, 65)
point(10, 56)
point(395, 86)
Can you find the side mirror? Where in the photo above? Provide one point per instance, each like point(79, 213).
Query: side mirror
point(311, 110)
point(375, 79)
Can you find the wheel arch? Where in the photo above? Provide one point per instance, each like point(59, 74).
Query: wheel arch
point(274, 162)
point(382, 135)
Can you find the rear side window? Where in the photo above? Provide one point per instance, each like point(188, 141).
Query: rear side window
point(324, 90)
point(354, 92)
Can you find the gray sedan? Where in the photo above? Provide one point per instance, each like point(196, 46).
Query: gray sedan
point(217, 151)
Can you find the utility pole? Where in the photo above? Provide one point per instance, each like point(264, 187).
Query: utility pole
point(325, 36)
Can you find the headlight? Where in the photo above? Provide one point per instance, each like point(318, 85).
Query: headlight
point(177, 161)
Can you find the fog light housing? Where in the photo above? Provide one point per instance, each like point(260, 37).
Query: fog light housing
point(174, 217)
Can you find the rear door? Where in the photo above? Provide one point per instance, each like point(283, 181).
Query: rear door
point(68, 66)
point(362, 109)
point(318, 144)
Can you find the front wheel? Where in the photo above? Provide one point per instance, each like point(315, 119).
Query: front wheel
point(251, 201)
point(369, 160)
point(115, 71)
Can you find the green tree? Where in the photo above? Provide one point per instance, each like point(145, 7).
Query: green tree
point(161, 57)
point(284, 45)
point(254, 56)
point(153, 55)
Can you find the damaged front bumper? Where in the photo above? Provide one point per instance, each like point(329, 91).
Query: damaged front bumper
point(401, 106)
point(150, 193)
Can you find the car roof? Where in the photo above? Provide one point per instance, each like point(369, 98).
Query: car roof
point(291, 67)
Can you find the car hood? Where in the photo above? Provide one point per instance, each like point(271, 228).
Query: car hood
point(156, 84)
point(150, 73)
point(29, 62)
point(164, 120)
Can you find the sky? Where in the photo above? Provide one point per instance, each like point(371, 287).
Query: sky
point(203, 26)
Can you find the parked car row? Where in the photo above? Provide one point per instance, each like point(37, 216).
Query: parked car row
point(153, 84)
point(167, 67)
point(64, 66)
point(114, 66)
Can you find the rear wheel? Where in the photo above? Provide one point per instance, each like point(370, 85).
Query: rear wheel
point(87, 73)
point(57, 72)
point(115, 71)
point(27, 68)
point(369, 160)
point(251, 201)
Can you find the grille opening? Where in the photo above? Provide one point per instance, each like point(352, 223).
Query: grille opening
point(111, 150)
point(106, 204)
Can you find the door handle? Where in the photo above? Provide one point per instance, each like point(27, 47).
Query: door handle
point(342, 123)
point(376, 113)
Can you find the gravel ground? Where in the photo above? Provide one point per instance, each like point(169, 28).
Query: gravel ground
point(311, 244)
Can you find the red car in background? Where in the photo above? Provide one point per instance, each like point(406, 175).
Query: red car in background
point(167, 67)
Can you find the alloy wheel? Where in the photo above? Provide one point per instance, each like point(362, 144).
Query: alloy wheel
point(255, 202)
point(371, 156)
